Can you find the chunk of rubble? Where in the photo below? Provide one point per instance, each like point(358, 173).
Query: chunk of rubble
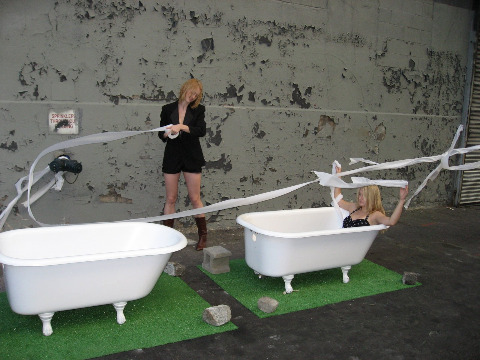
point(217, 315)
point(267, 304)
point(174, 269)
point(410, 278)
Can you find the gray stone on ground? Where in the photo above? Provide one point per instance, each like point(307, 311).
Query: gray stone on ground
point(267, 304)
point(217, 315)
point(174, 269)
point(410, 278)
point(216, 259)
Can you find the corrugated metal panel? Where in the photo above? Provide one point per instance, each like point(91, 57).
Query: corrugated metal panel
point(470, 184)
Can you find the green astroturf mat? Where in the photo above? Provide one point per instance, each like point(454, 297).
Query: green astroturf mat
point(315, 289)
point(171, 312)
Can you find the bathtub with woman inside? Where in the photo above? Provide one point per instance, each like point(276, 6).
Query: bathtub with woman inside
point(284, 243)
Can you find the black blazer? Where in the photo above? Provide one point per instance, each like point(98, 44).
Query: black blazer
point(186, 147)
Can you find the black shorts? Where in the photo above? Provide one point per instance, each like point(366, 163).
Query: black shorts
point(180, 168)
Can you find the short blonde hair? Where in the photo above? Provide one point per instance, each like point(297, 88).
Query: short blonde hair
point(190, 85)
point(373, 198)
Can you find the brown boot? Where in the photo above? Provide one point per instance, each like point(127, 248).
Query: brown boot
point(168, 222)
point(202, 233)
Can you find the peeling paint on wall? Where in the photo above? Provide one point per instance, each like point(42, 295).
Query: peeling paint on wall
point(288, 88)
point(223, 164)
point(113, 197)
point(322, 126)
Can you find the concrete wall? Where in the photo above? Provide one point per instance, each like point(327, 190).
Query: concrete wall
point(289, 87)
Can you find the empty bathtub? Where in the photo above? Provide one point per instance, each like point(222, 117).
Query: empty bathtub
point(58, 268)
point(283, 243)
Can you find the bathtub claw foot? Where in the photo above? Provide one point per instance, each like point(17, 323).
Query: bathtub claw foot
point(345, 270)
point(47, 325)
point(288, 281)
point(119, 306)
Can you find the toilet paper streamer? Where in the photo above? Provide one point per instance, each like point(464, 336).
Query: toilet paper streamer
point(330, 180)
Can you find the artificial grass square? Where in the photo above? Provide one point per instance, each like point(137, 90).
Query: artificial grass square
point(171, 312)
point(311, 290)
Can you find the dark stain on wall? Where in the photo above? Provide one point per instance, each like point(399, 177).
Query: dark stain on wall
point(354, 39)
point(259, 134)
point(411, 64)
point(116, 98)
point(232, 93)
point(89, 10)
point(268, 160)
point(194, 18)
point(444, 83)
point(256, 180)
point(392, 80)
point(12, 147)
point(29, 75)
point(264, 40)
point(32, 73)
point(157, 94)
point(239, 29)
point(436, 90)
point(428, 147)
point(2, 199)
point(207, 46)
point(221, 164)
point(408, 173)
point(214, 138)
point(173, 17)
point(297, 97)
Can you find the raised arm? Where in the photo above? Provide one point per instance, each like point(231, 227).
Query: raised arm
point(379, 218)
point(346, 205)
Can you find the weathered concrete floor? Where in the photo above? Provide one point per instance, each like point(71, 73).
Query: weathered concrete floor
point(438, 320)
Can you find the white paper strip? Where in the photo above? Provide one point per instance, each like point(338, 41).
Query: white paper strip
point(330, 180)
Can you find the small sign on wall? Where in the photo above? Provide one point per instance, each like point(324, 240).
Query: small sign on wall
point(62, 122)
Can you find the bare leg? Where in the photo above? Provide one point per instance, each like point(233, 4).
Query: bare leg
point(171, 189)
point(193, 185)
point(194, 181)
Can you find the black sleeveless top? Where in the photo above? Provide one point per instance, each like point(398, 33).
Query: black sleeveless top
point(348, 222)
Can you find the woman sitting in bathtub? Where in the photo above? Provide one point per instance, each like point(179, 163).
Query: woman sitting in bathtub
point(368, 210)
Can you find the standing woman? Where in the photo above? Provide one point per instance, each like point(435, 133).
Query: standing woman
point(183, 152)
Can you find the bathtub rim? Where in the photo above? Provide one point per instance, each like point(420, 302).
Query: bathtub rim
point(241, 220)
point(152, 251)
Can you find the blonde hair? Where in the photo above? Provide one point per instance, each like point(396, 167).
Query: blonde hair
point(191, 85)
point(373, 199)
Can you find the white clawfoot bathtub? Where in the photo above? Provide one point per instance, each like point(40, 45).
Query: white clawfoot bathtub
point(287, 242)
point(59, 268)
